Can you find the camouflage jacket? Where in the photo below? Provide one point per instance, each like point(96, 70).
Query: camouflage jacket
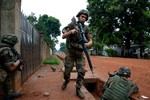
point(7, 57)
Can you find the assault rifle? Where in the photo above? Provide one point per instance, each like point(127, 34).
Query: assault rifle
point(78, 26)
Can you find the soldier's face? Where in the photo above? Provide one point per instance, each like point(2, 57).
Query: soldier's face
point(82, 18)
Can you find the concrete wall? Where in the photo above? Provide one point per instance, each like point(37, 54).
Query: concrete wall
point(45, 50)
point(10, 23)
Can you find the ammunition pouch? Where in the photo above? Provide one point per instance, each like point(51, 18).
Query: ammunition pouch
point(76, 46)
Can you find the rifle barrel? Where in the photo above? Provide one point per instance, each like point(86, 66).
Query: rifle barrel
point(88, 58)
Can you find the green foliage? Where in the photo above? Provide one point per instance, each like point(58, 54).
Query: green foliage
point(52, 59)
point(32, 18)
point(130, 17)
point(63, 47)
point(111, 52)
point(49, 25)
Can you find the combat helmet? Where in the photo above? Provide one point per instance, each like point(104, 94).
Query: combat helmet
point(124, 71)
point(83, 11)
point(9, 39)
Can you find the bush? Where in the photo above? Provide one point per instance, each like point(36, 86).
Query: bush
point(111, 52)
point(52, 59)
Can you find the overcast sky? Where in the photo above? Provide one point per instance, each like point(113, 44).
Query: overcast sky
point(63, 10)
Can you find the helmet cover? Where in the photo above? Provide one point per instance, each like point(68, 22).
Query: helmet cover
point(10, 39)
point(124, 71)
point(83, 12)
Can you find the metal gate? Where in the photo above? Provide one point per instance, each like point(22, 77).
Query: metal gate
point(30, 48)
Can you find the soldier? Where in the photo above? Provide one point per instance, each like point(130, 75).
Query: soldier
point(8, 64)
point(75, 52)
point(118, 87)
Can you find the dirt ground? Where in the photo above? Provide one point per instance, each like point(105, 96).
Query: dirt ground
point(45, 84)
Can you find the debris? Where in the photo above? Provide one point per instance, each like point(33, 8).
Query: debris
point(144, 97)
point(53, 67)
point(46, 93)
point(39, 76)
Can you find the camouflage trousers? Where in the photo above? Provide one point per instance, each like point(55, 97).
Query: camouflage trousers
point(75, 58)
point(5, 83)
point(3, 76)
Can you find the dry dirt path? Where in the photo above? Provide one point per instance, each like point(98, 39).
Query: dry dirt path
point(45, 80)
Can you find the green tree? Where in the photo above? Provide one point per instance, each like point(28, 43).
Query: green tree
point(63, 47)
point(32, 18)
point(119, 21)
point(49, 25)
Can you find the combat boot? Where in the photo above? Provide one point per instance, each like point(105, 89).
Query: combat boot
point(1, 91)
point(12, 96)
point(64, 85)
point(79, 93)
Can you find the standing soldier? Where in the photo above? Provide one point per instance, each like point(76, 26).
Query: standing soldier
point(118, 87)
point(75, 51)
point(9, 62)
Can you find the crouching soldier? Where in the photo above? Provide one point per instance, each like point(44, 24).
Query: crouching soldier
point(9, 63)
point(118, 87)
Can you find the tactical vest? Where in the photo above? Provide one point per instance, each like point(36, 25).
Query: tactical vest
point(118, 90)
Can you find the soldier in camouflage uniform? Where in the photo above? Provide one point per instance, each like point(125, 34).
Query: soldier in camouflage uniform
point(8, 64)
point(75, 52)
point(118, 87)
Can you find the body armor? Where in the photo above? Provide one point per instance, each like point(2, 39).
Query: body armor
point(118, 89)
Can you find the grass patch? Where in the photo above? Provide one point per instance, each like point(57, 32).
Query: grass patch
point(52, 59)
